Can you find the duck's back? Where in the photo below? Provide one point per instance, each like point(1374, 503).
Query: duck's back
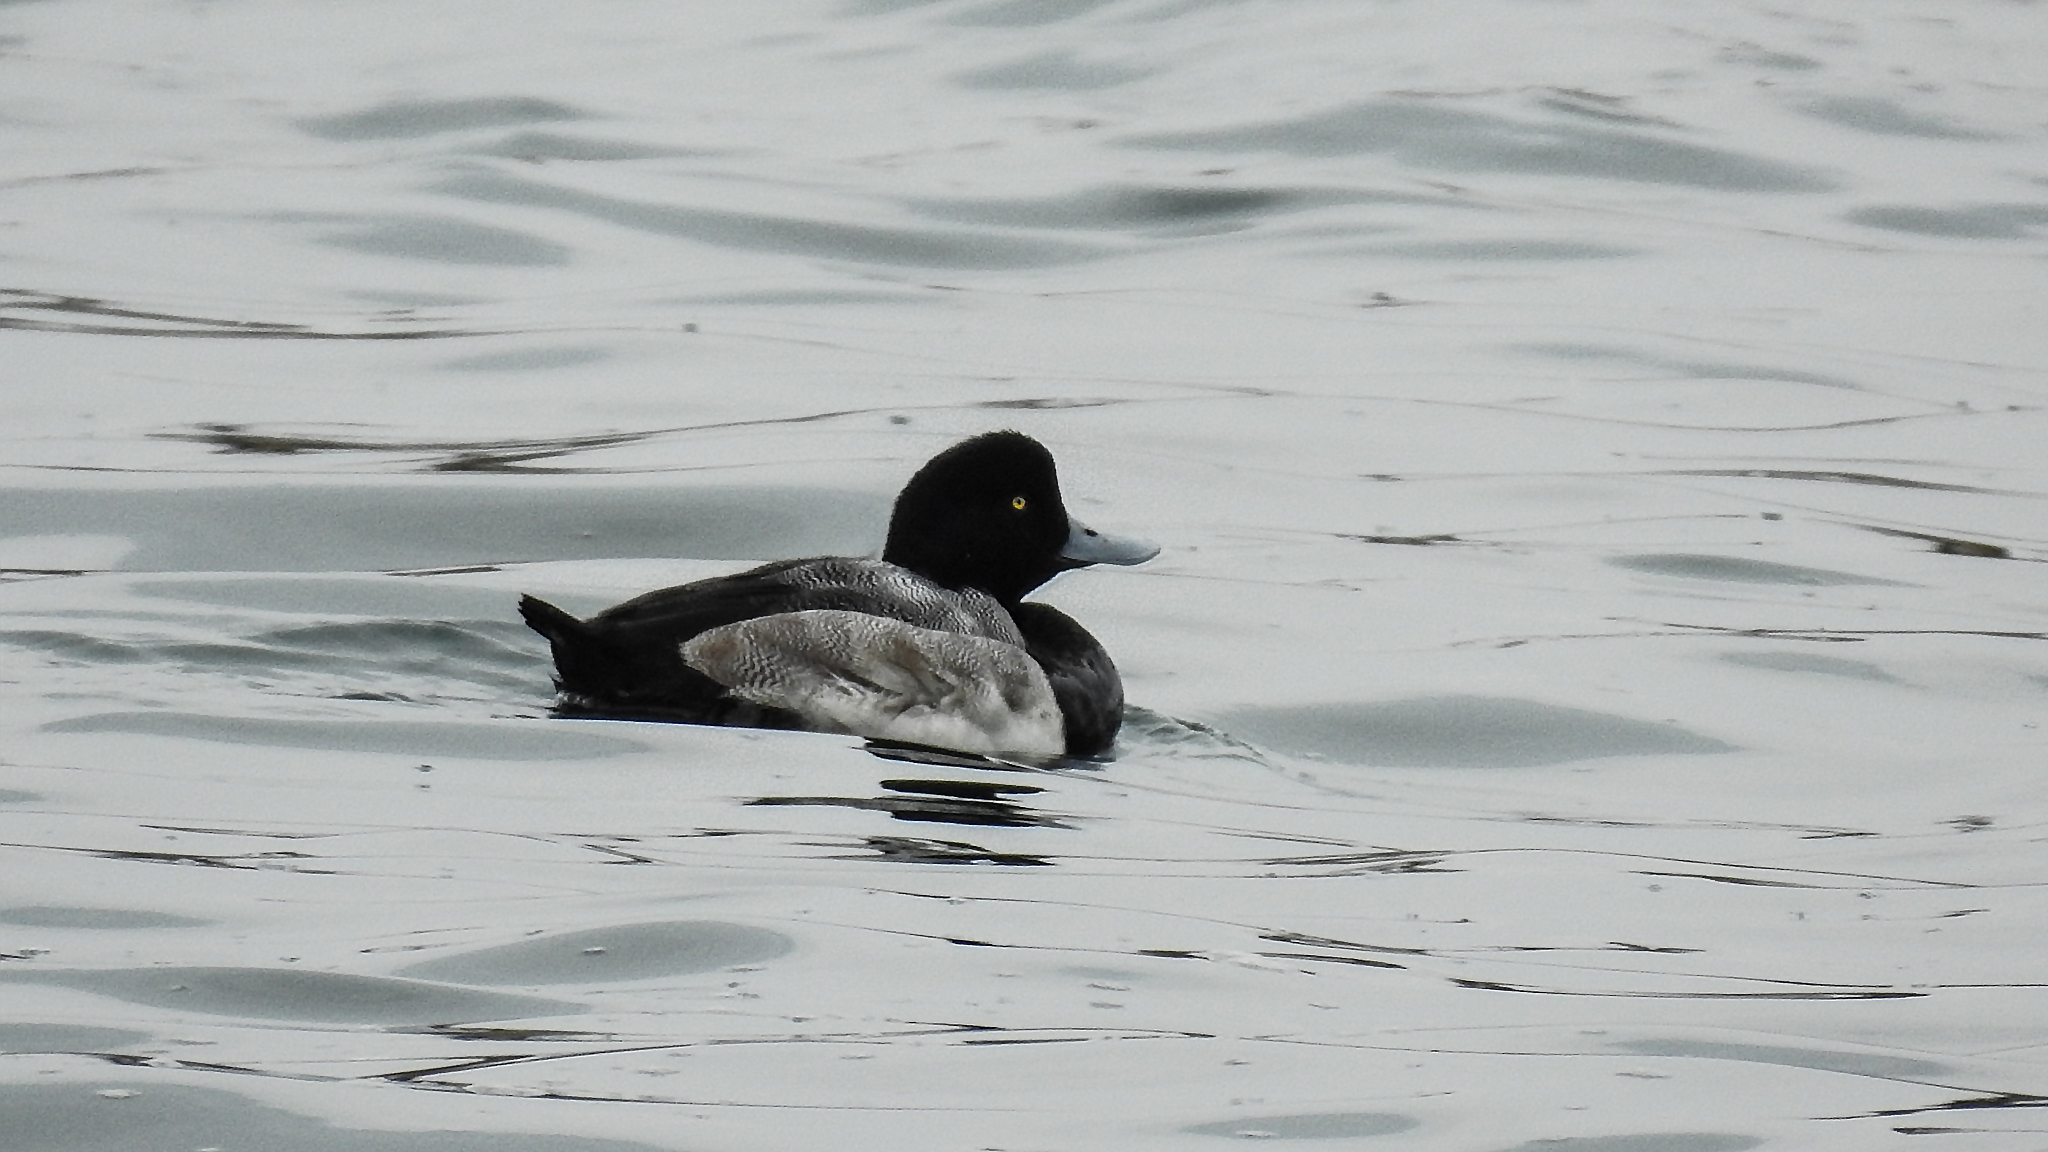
point(628, 661)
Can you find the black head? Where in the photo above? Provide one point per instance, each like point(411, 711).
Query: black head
point(986, 513)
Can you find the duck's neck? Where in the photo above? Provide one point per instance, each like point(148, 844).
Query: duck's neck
point(960, 570)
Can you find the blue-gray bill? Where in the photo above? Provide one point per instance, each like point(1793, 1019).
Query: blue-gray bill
point(1087, 546)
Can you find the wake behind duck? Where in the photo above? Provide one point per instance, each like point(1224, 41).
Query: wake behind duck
point(931, 644)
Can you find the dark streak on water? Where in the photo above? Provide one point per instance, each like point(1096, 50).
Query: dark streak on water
point(940, 809)
point(1312, 941)
point(1852, 635)
point(483, 1033)
point(1406, 541)
point(1947, 545)
point(239, 438)
point(1837, 478)
point(1817, 994)
point(1391, 863)
point(517, 455)
point(911, 850)
point(1355, 961)
point(148, 323)
point(273, 861)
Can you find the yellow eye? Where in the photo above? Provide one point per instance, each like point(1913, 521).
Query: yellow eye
point(1017, 502)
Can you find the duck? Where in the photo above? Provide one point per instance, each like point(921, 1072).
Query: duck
point(930, 644)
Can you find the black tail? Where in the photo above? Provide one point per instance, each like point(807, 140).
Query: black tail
point(604, 670)
point(549, 620)
point(585, 661)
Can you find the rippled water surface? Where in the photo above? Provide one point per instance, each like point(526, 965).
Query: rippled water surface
point(1590, 699)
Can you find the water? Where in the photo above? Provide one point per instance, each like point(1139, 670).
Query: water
point(1589, 702)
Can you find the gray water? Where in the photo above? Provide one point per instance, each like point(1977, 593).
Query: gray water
point(1589, 700)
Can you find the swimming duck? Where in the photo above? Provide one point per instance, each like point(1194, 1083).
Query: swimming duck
point(932, 644)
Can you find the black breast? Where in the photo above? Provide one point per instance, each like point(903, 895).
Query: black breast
point(1084, 679)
